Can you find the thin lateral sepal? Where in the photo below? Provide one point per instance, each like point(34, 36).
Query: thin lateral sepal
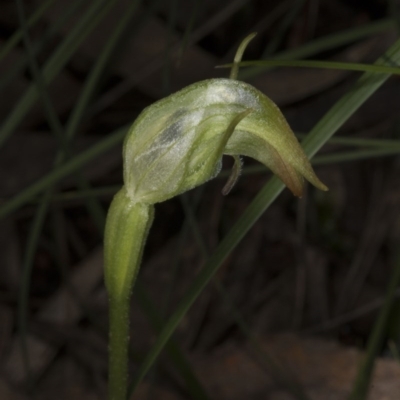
point(234, 176)
point(239, 55)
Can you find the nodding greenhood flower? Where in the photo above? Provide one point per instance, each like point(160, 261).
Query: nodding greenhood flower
point(178, 142)
point(174, 145)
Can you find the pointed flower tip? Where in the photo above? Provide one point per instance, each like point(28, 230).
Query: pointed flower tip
point(299, 192)
point(298, 183)
point(315, 181)
point(298, 188)
point(322, 187)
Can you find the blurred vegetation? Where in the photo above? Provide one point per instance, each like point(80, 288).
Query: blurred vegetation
point(75, 75)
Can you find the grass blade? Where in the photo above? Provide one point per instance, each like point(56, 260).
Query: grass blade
point(286, 382)
point(86, 24)
point(326, 43)
point(17, 36)
point(23, 296)
point(63, 171)
point(52, 31)
point(381, 69)
point(183, 366)
point(377, 337)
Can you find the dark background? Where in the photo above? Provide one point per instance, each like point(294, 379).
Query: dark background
point(309, 278)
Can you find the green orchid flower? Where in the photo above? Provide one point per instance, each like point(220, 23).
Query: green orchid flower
point(178, 142)
point(173, 146)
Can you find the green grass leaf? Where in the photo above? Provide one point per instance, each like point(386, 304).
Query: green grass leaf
point(381, 69)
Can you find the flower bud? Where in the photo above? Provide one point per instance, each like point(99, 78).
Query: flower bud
point(178, 142)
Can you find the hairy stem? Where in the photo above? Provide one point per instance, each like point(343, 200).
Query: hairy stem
point(127, 227)
point(118, 348)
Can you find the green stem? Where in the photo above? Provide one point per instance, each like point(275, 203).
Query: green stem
point(118, 348)
point(126, 231)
